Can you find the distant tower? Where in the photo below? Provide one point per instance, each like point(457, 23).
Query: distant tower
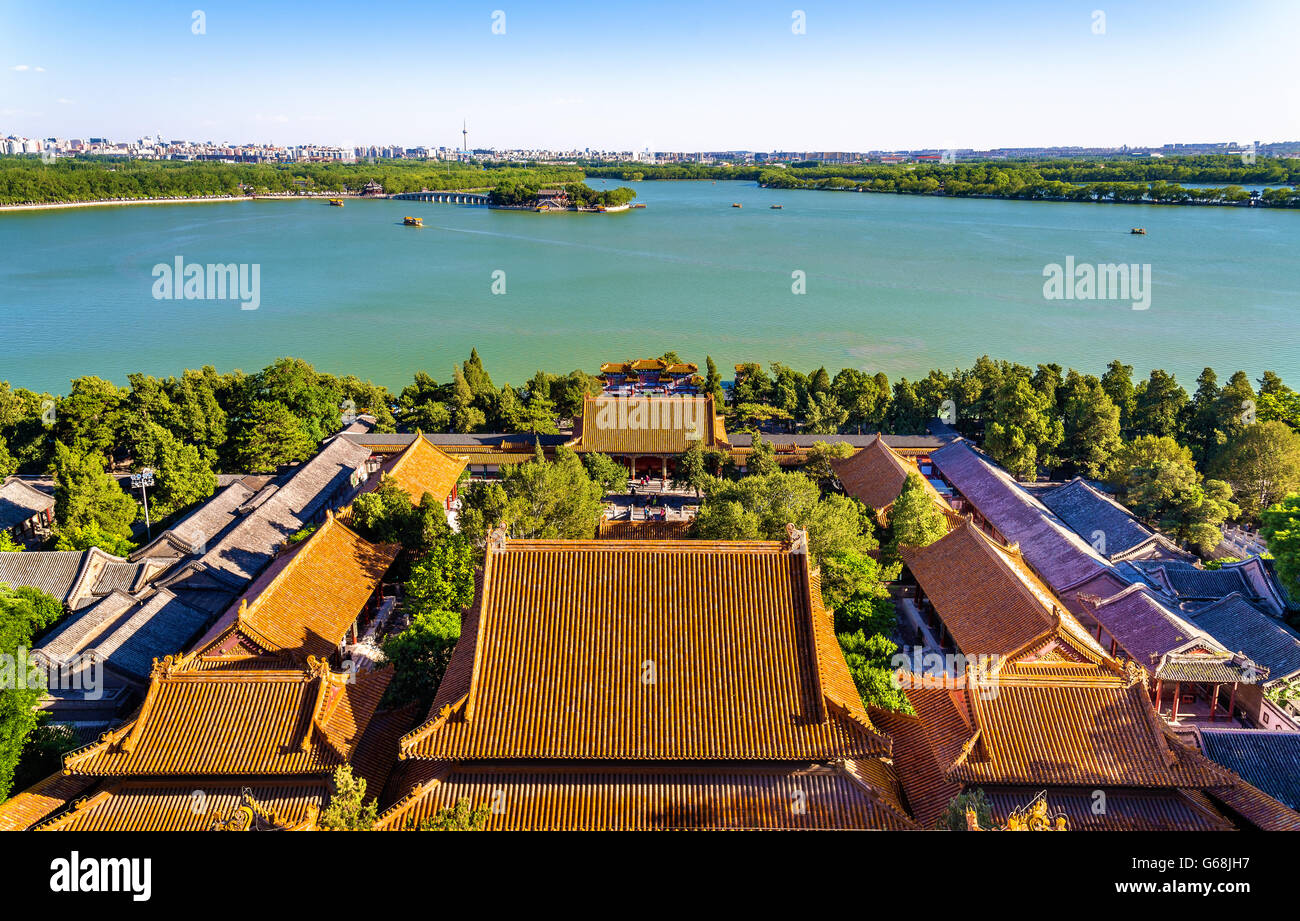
point(464, 134)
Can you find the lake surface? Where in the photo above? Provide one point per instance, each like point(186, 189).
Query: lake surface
point(893, 283)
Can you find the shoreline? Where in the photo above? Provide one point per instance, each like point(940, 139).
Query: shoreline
point(221, 199)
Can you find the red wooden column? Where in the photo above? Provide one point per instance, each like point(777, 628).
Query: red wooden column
point(1232, 701)
point(1178, 696)
point(1160, 687)
point(1214, 702)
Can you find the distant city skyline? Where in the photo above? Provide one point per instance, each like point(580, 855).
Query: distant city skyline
point(677, 77)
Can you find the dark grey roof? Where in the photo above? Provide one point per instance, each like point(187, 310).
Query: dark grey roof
point(73, 634)
point(55, 572)
point(201, 528)
point(1146, 627)
point(489, 439)
point(19, 502)
point(161, 626)
point(1241, 627)
point(1061, 557)
point(1089, 512)
point(804, 440)
point(1188, 582)
point(119, 576)
point(1265, 759)
point(127, 633)
point(311, 487)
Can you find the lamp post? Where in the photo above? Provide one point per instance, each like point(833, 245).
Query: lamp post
point(142, 481)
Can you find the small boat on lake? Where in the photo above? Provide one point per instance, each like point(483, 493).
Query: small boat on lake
point(413, 221)
point(736, 205)
point(776, 207)
point(336, 202)
point(1141, 230)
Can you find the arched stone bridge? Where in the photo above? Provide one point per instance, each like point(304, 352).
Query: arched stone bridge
point(453, 198)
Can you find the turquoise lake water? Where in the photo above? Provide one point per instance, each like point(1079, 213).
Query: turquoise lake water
point(893, 283)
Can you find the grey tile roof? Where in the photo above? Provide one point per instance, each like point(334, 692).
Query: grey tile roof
point(1088, 511)
point(1265, 759)
point(118, 577)
point(160, 626)
point(19, 502)
point(486, 439)
point(125, 632)
point(76, 633)
point(1242, 627)
point(313, 486)
point(1060, 556)
point(1146, 628)
point(54, 572)
point(198, 530)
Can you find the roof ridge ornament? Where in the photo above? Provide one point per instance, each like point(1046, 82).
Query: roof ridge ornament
point(498, 538)
point(796, 539)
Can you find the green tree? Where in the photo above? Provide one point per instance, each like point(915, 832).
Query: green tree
point(713, 383)
point(419, 655)
point(818, 465)
point(271, 436)
point(182, 476)
point(915, 520)
point(762, 458)
point(954, 817)
point(1146, 451)
point(1201, 429)
point(825, 416)
point(84, 494)
point(314, 400)
point(609, 473)
point(386, 515)
point(1281, 531)
point(869, 659)
point(692, 470)
point(1091, 426)
point(444, 579)
point(348, 809)
point(537, 499)
point(43, 755)
point(24, 613)
point(421, 407)
point(1118, 384)
point(83, 537)
point(91, 416)
point(461, 817)
point(1262, 464)
point(1158, 404)
point(1173, 496)
point(1022, 433)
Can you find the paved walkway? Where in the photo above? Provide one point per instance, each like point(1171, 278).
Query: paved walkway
point(913, 621)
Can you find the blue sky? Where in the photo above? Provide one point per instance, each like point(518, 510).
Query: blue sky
point(668, 75)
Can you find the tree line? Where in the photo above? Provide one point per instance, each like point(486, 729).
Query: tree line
point(1094, 179)
point(26, 179)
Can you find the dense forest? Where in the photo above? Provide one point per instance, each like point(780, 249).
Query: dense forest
point(1231, 446)
point(1090, 180)
point(25, 179)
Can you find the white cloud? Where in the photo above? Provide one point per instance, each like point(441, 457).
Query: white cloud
point(20, 67)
